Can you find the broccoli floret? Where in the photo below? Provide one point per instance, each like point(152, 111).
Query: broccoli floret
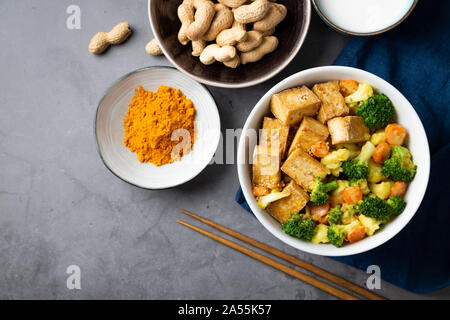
point(375, 208)
point(349, 211)
point(319, 191)
point(334, 215)
point(357, 168)
point(298, 227)
point(397, 205)
point(377, 111)
point(381, 210)
point(362, 184)
point(336, 234)
point(400, 166)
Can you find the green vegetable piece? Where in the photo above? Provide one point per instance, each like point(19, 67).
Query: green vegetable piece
point(336, 235)
point(375, 208)
point(362, 184)
point(377, 112)
point(319, 191)
point(357, 168)
point(334, 215)
point(397, 205)
point(298, 227)
point(400, 166)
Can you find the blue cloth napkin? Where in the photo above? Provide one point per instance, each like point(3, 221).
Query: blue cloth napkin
point(415, 58)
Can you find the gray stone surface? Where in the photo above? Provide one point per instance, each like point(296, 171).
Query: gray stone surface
point(60, 206)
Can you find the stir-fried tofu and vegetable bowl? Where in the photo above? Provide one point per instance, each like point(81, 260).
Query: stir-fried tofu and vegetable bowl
point(332, 166)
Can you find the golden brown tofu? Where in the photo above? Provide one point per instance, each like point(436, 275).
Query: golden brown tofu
point(266, 168)
point(274, 135)
point(333, 104)
point(309, 132)
point(290, 106)
point(283, 208)
point(303, 168)
point(349, 129)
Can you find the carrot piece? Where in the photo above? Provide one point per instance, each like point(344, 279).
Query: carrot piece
point(347, 87)
point(381, 153)
point(398, 189)
point(319, 213)
point(356, 233)
point(260, 191)
point(320, 149)
point(352, 195)
point(395, 134)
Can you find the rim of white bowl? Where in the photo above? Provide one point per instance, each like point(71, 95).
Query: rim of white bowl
point(245, 84)
point(362, 34)
point(299, 244)
point(110, 87)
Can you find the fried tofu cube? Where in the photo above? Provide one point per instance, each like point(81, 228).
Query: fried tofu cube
point(303, 168)
point(333, 104)
point(283, 208)
point(309, 132)
point(266, 168)
point(275, 135)
point(349, 129)
point(290, 106)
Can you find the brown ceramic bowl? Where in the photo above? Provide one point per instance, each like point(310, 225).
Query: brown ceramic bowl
point(291, 34)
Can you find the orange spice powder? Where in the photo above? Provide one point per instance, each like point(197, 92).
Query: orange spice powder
point(151, 120)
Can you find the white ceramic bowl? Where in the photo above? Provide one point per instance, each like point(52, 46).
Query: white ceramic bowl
point(406, 116)
point(364, 18)
point(109, 131)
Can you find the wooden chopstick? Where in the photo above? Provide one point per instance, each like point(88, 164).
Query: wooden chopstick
point(293, 260)
point(275, 264)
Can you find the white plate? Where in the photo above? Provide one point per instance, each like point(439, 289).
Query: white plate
point(406, 116)
point(109, 130)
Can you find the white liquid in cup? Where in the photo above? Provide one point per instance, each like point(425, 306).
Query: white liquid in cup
point(364, 16)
